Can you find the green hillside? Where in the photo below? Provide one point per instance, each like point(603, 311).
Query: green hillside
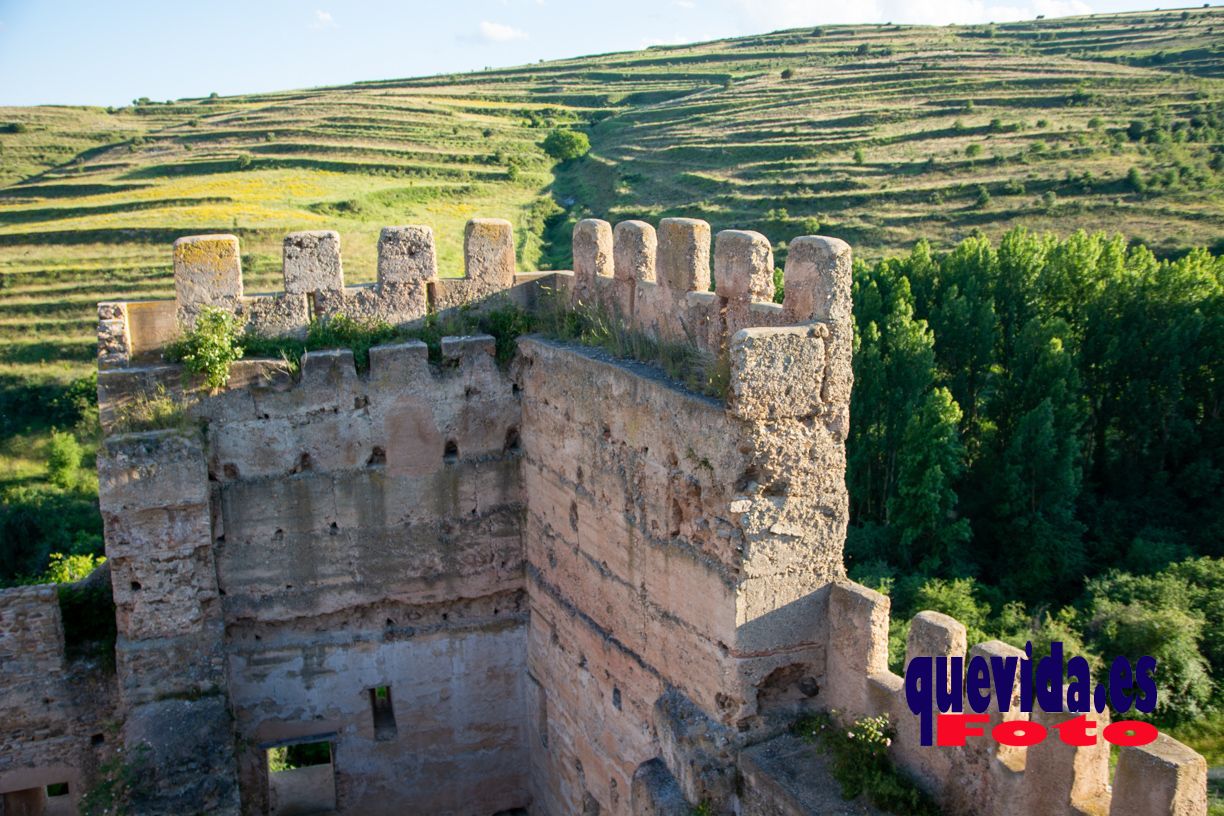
point(876, 134)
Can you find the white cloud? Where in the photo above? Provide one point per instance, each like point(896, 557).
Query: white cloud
point(687, 4)
point(322, 19)
point(500, 32)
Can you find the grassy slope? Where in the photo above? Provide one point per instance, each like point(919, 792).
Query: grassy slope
point(90, 199)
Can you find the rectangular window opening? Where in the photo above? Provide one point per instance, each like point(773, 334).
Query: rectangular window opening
point(58, 789)
point(384, 713)
point(301, 778)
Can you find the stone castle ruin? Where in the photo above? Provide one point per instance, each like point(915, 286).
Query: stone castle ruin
point(563, 586)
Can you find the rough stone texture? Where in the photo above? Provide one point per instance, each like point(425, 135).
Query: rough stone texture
point(743, 266)
point(1164, 777)
point(700, 576)
point(181, 755)
point(114, 339)
point(406, 255)
point(656, 793)
point(588, 590)
point(53, 706)
point(858, 647)
point(788, 777)
point(1066, 780)
point(684, 254)
point(488, 251)
point(592, 246)
point(207, 272)
point(634, 246)
point(151, 325)
point(776, 373)
point(699, 751)
point(284, 315)
point(312, 261)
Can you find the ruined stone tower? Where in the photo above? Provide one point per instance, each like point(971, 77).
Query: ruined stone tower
point(565, 585)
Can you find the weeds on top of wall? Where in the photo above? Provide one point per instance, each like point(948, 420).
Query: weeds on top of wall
point(860, 763)
point(599, 327)
point(209, 348)
point(214, 345)
point(505, 324)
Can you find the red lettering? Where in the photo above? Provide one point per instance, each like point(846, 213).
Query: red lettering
point(1130, 732)
point(951, 729)
point(1018, 733)
point(1075, 732)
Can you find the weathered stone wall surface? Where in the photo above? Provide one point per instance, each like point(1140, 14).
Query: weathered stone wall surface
point(40, 743)
point(577, 587)
point(359, 531)
point(367, 533)
point(668, 547)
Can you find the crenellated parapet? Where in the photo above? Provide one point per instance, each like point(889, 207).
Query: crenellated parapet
point(577, 585)
point(1049, 778)
point(208, 273)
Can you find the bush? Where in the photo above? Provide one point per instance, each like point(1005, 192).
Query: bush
point(1177, 617)
point(209, 349)
point(63, 459)
point(787, 73)
point(68, 569)
point(37, 521)
point(14, 127)
point(973, 151)
point(859, 158)
point(983, 196)
point(244, 162)
point(861, 765)
point(563, 144)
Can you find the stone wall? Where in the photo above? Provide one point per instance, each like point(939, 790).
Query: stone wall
point(677, 545)
point(983, 777)
point(54, 710)
point(329, 535)
point(568, 585)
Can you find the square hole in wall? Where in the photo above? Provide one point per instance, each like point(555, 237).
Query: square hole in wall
point(59, 803)
point(301, 778)
point(384, 713)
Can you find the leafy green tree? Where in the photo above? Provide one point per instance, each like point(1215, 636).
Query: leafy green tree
point(894, 369)
point(1152, 615)
point(564, 144)
point(962, 316)
point(1038, 536)
point(924, 507)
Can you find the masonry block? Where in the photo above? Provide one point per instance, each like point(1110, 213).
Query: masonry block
point(684, 254)
point(1163, 778)
point(775, 372)
point(207, 272)
point(406, 255)
point(634, 250)
point(488, 251)
point(934, 634)
point(858, 646)
point(114, 339)
point(743, 266)
point(592, 245)
point(151, 471)
point(312, 261)
point(1066, 780)
point(817, 280)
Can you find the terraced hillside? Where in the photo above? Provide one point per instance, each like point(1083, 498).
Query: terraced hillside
point(877, 134)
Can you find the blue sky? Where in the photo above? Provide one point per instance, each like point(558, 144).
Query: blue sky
point(108, 53)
